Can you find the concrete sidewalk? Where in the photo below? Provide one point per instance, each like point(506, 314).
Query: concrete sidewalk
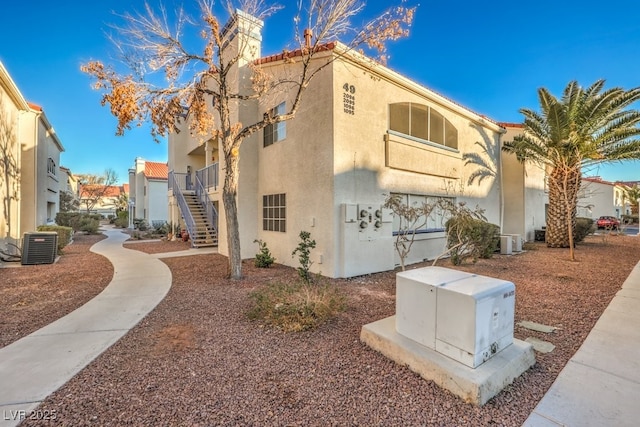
point(600, 385)
point(37, 365)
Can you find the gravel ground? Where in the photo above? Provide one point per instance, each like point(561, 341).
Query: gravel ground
point(35, 295)
point(197, 360)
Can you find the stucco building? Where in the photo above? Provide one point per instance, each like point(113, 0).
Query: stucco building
point(362, 132)
point(29, 164)
point(598, 197)
point(148, 191)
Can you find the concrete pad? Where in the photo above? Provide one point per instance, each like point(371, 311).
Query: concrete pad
point(615, 321)
point(540, 345)
point(475, 386)
point(105, 313)
point(610, 352)
point(539, 327)
point(537, 420)
point(36, 366)
point(187, 252)
point(629, 293)
point(583, 396)
point(624, 304)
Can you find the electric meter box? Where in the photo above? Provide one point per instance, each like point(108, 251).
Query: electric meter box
point(464, 316)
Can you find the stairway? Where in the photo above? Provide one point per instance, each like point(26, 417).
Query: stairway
point(203, 234)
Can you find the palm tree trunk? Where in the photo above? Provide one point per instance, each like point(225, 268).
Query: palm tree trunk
point(564, 184)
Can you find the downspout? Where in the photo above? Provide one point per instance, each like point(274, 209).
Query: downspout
point(503, 131)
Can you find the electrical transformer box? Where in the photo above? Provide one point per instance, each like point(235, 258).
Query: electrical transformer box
point(464, 316)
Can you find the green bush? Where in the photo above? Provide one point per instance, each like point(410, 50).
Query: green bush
point(304, 255)
point(89, 225)
point(297, 306)
point(629, 219)
point(122, 220)
point(263, 258)
point(584, 227)
point(140, 224)
point(69, 219)
point(64, 234)
point(473, 238)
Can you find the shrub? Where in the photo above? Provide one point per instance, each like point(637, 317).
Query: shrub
point(304, 251)
point(122, 220)
point(469, 237)
point(630, 219)
point(64, 234)
point(160, 227)
point(263, 258)
point(89, 225)
point(140, 224)
point(297, 306)
point(584, 227)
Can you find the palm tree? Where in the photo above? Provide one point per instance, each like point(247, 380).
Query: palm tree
point(583, 128)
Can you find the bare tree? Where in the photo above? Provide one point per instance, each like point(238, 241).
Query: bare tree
point(208, 84)
point(411, 217)
point(93, 188)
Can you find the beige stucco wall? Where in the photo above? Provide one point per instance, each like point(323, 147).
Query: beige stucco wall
point(524, 193)
point(370, 162)
point(596, 199)
point(12, 106)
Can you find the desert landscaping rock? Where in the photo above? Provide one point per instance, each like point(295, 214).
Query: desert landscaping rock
point(197, 359)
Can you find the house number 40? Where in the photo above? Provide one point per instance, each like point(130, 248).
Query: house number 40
point(349, 88)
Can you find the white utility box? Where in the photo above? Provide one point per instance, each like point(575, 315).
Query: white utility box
point(464, 316)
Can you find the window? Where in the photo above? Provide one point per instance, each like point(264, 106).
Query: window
point(277, 131)
point(434, 222)
point(274, 212)
point(422, 123)
point(51, 166)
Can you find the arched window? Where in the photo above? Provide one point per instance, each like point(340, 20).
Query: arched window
point(422, 123)
point(51, 166)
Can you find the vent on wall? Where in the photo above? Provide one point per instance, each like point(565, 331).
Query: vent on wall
point(39, 248)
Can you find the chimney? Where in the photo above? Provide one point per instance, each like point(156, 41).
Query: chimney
point(307, 38)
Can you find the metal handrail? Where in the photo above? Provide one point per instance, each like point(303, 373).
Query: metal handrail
point(182, 203)
point(208, 176)
point(205, 201)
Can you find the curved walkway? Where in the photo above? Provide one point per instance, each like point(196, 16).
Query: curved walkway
point(37, 365)
point(600, 384)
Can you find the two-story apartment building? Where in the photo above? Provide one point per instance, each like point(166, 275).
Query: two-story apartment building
point(598, 197)
point(148, 191)
point(362, 132)
point(29, 164)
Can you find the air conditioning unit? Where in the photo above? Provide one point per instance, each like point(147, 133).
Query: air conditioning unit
point(464, 316)
point(39, 247)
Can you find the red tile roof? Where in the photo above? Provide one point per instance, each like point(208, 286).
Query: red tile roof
point(597, 179)
point(111, 191)
point(125, 188)
point(34, 106)
point(293, 54)
point(155, 170)
point(510, 125)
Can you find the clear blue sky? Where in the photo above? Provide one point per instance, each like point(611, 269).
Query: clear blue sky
point(489, 56)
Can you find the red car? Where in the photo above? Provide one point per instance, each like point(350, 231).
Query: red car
point(608, 222)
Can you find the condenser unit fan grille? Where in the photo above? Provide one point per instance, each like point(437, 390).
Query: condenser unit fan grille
point(39, 248)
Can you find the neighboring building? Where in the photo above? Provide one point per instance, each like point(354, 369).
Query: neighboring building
point(69, 182)
point(362, 132)
point(598, 197)
point(101, 199)
point(29, 164)
point(148, 184)
point(525, 195)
